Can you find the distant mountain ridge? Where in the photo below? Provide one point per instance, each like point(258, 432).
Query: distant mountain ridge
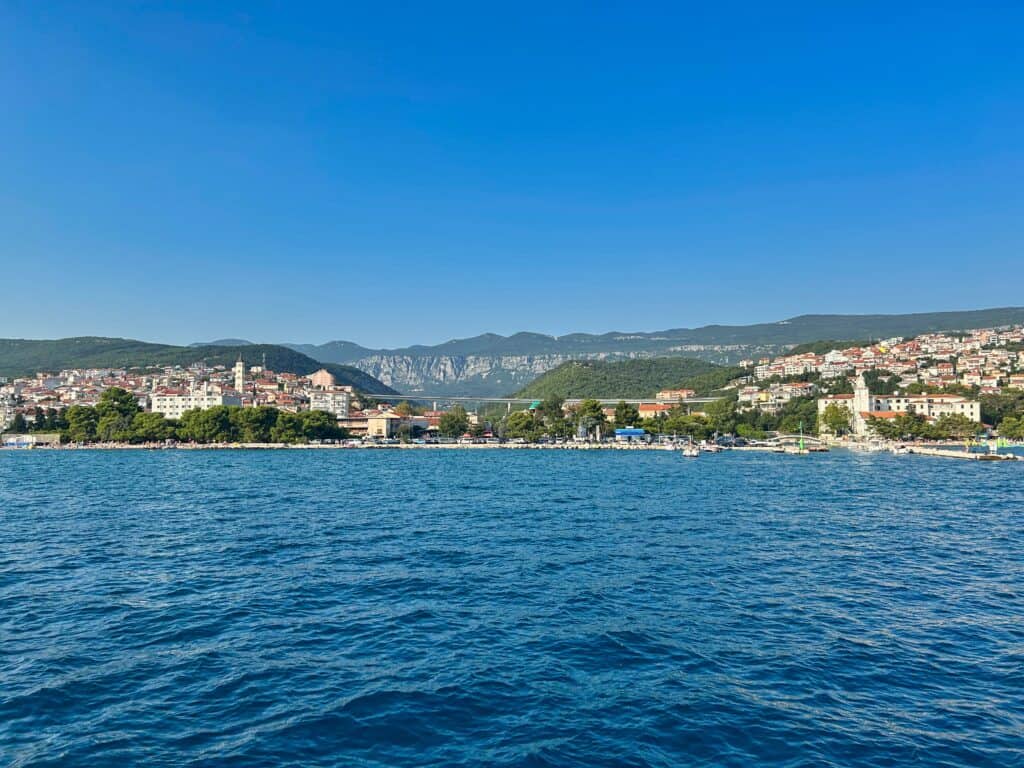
point(25, 357)
point(492, 365)
point(222, 343)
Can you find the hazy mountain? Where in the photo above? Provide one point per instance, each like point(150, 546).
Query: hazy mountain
point(222, 343)
point(332, 351)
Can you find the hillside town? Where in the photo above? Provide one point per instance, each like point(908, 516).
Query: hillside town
point(971, 364)
point(918, 370)
point(987, 358)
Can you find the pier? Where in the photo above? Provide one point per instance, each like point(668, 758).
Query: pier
point(949, 453)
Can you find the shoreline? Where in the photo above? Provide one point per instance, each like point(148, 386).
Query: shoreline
point(954, 451)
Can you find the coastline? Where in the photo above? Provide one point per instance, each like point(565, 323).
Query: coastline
point(954, 451)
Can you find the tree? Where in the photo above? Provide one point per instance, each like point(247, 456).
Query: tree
point(213, 425)
point(955, 426)
point(454, 422)
point(51, 421)
point(722, 415)
point(903, 426)
point(590, 416)
point(520, 424)
point(551, 409)
point(748, 432)
point(19, 425)
point(655, 424)
point(551, 415)
point(800, 413)
point(995, 408)
point(626, 415)
point(884, 428)
point(253, 425)
point(150, 428)
point(117, 401)
point(320, 425)
point(40, 422)
point(678, 422)
point(81, 423)
point(1012, 427)
point(115, 411)
point(881, 381)
point(288, 428)
point(407, 431)
point(836, 419)
point(114, 427)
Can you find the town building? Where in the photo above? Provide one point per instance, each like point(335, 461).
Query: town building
point(32, 440)
point(384, 424)
point(653, 410)
point(173, 404)
point(322, 379)
point(863, 405)
point(674, 395)
point(335, 401)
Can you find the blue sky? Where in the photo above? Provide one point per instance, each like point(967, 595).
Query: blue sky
point(395, 174)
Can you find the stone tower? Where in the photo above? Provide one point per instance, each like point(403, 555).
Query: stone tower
point(861, 404)
point(239, 375)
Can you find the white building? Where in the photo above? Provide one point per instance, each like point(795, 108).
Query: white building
point(334, 401)
point(7, 412)
point(862, 405)
point(173, 406)
point(929, 406)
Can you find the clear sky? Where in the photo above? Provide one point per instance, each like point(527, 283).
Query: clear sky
point(409, 173)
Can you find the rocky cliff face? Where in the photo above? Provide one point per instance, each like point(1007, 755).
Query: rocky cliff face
point(499, 374)
point(483, 375)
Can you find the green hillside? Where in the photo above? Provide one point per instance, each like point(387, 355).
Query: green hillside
point(24, 357)
point(629, 378)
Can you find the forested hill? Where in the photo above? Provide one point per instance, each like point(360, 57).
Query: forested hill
point(24, 357)
point(629, 378)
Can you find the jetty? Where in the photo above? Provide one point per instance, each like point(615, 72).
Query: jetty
point(949, 453)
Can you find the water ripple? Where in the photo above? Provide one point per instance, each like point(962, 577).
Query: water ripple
point(509, 609)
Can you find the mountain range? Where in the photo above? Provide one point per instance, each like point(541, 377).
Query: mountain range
point(492, 365)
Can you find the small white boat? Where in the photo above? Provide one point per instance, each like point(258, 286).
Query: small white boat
point(690, 451)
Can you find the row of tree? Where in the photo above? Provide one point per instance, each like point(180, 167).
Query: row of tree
point(914, 426)
point(720, 416)
point(1012, 427)
point(117, 417)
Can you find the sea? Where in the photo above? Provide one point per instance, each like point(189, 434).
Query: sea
point(509, 608)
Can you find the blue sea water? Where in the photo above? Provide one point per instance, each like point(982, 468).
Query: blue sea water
point(534, 608)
